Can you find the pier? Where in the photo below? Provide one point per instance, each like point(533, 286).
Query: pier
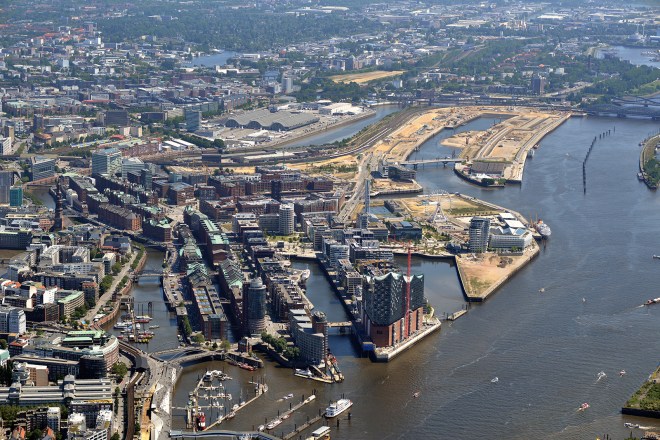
point(298, 429)
point(285, 415)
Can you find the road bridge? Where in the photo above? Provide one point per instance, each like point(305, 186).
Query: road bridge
point(438, 160)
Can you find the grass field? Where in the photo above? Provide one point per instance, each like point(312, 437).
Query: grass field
point(365, 77)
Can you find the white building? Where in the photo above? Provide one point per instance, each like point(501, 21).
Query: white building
point(287, 219)
point(12, 320)
point(509, 238)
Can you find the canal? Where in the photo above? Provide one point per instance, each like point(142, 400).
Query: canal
point(148, 300)
point(345, 131)
point(545, 348)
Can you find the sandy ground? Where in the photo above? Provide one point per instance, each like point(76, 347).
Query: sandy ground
point(483, 273)
point(453, 206)
point(391, 185)
point(365, 77)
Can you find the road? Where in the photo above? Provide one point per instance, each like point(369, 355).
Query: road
point(108, 294)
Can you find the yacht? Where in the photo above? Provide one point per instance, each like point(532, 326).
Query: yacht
point(337, 408)
point(631, 425)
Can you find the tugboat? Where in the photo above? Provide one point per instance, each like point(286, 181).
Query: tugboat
point(201, 421)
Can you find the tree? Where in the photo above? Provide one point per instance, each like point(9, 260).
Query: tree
point(187, 328)
point(198, 338)
point(225, 345)
point(119, 369)
point(3, 344)
point(115, 436)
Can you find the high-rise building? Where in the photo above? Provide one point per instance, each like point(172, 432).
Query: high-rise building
point(193, 119)
point(6, 181)
point(478, 236)
point(287, 84)
point(255, 307)
point(106, 161)
point(538, 85)
point(16, 196)
point(287, 219)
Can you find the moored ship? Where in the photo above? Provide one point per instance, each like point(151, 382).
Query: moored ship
point(337, 408)
point(543, 229)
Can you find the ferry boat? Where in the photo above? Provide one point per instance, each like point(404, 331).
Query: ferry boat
point(337, 408)
point(201, 421)
point(143, 319)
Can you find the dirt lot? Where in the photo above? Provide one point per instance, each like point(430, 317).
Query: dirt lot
point(365, 77)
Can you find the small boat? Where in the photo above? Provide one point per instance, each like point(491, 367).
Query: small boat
point(288, 396)
point(583, 407)
point(273, 424)
point(542, 289)
point(310, 398)
point(231, 415)
point(622, 373)
point(285, 416)
point(584, 300)
point(495, 379)
point(657, 257)
point(601, 375)
point(154, 326)
point(416, 394)
point(653, 301)
point(631, 425)
point(261, 428)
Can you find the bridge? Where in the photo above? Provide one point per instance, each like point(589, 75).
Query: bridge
point(438, 160)
point(149, 273)
point(176, 353)
point(340, 324)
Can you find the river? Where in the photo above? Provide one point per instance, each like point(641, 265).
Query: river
point(545, 348)
point(634, 55)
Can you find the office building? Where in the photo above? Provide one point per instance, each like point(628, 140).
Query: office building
point(16, 196)
point(193, 119)
point(255, 305)
point(131, 164)
point(6, 182)
point(310, 335)
point(41, 168)
point(6, 146)
point(287, 219)
point(106, 161)
point(478, 234)
point(12, 320)
point(116, 118)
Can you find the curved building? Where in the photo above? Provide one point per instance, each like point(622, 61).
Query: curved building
point(255, 305)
